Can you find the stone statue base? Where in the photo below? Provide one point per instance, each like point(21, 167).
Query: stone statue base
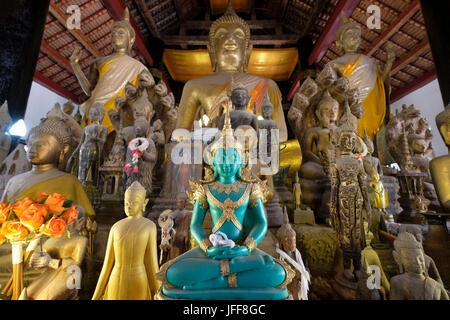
point(346, 290)
point(304, 216)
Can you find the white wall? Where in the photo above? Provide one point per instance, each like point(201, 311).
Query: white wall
point(428, 100)
point(40, 101)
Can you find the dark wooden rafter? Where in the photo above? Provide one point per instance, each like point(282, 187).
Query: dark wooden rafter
point(162, 4)
point(402, 18)
point(55, 87)
point(55, 10)
point(318, 6)
point(329, 32)
point(179, 11)
point(57, 57)
point(414, 85)
point(148, 18)
point(99, 13)
point(411, 55)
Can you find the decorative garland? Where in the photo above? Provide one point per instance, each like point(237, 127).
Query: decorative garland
point(137, 147)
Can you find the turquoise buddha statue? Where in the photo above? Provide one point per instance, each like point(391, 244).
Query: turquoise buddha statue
point(232, 271)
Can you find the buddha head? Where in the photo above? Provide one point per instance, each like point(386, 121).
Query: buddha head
point(181, 201)
point(267, 108)
point(68, 107)
point(408, 253)
point(48, 142)
point(327, 110)
point(142, 108)
point(146, 80)
point(348, 37)
point(5, 118)
point(135, 200)
point(123, 34)
point(229, 43)
point(346, 132)
point(443, 124)
point(240, 98)
point(141, 127)
point(97, 112)
point(286, 234)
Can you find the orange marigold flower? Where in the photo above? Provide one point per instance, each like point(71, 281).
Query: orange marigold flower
point(4, 211)
point(55, 202)
point(70, 215)
point(54, 227)
point(33, 216)
point(21, 205)
point(41, 196)
point(13, 230)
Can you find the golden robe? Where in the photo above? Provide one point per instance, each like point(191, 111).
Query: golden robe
point(28, 184)
point(114, 73)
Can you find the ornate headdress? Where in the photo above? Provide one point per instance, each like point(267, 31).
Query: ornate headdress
point(5, 118)
point(136, 188)
point(346, 25)
point(348, 122)
point(126, 24)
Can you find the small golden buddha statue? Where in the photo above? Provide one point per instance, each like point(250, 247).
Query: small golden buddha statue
point(440, 166)
point(131, 259)
point(229, 48)
point(109, 75)
point(364, 74)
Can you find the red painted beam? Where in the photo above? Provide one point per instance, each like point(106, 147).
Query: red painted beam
point(418, 83)
point(115, 9)
point(329, 32)
point(55, 87)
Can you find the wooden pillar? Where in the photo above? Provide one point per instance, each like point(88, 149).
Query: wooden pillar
point(22, 25)
point(435, 14)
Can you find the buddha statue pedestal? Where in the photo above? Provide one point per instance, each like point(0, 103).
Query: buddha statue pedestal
point(437, 243)
point(411, 185)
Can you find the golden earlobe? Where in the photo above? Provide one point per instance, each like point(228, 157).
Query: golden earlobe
point(212, 57)
point(248, 53)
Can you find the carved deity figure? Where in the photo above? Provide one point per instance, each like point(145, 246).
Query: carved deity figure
point(297, 191)
point(131, 259)
point(227, 264)
point(365, 75)
point(5, 139)
point(229, 48)
point(414, 283)
point(348, 197)
point(239, 116)
point(440, 166)
point(90, 149)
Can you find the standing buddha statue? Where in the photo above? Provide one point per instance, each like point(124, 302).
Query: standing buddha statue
point(229, 49)
point(237, 270)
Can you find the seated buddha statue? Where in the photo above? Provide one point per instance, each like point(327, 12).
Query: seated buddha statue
point(235, 269)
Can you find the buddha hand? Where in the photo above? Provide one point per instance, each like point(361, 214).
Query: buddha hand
point(218, 253)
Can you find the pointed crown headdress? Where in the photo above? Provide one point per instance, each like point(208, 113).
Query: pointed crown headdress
point(126, 24)
point(348, 122)
point(136, 188)
point(286, 229)
point(346, 25)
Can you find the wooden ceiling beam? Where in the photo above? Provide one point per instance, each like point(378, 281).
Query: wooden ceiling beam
point(57, 57)
point(411, 55)
point(148, 18)
point(255, 40)
point(414, 85)
point(402, 18)
point(162, 4)
point(116, 9)
point(62, 18)
point(55, 87)
point(329, 32)
point(97, 14)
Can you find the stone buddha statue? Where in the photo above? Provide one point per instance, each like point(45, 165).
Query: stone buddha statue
point(440, 166)
point(48, 143)
point(229, 48)
point(5, 139)
point(227, 264)
point(131, 259)
point(109, 75)
point(364, 74)
point(414, 283)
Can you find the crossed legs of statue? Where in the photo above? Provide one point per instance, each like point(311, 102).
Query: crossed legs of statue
point(226, 273)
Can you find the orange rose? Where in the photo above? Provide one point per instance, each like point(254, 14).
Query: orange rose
point(21, 205)
point(33, 216)
point(13, 230)
point(4, 211)
point(54, 227)
point(55, 202)
point(70, 215)
point(41, 196)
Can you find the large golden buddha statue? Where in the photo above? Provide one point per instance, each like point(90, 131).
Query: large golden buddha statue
point(229, 48)
point(365, 75)
point(109, 75)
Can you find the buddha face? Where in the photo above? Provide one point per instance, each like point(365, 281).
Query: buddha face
point(413, 260)
point(230, 46)
point(227, 162)
point(328, 111)
point(240, 98)
point(141, 128)
point(347, 141)
point(141, 110)
point(120, 38)
point(68, 108)
point(95, 114)
point(44, 149)
point(181, 203)
point(135, 203)
point(350, 40)
point(289, 243)
point(267, 111)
